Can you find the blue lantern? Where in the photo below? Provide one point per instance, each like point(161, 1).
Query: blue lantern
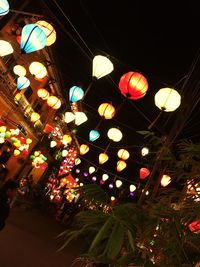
point(33, 38)
point(22, 82)
point(76, 93)
point(94, 135)
point(4, 7)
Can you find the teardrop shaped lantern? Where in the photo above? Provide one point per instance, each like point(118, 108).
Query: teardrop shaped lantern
point(4, 7)
point(167, 99)
point(121, 165)
point(19, 70)
point(54, 102)
point(123, 154)
point(114, 134)
point(80, 117)
point(106, 110)
point(22, 82)
point(132, 187)
point(43, 93)
point(35, 117)
point(102, 66)
point(53, 144)
point(103, 157)
point(166, 179)
point(33, 38)
point(77, 161)
point(144, 172)
point(38, 70)
point(94, 135)
point(5, 48)
point(84, 149)
point(49, 30)
point(105, 177)
point(118, 183)
point(67, 139)
point(133, 85)
point(76, 93)
point(92, 169)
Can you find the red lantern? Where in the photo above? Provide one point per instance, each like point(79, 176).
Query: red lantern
point(133, 85)
point(48, 128)
point(144, 172)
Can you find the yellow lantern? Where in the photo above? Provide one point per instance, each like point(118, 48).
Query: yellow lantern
point(49, 30)
point(167, 99)
point(38, 70)
point(66, 139)
point(5, 48)
point(103, 157)
point(77, 161)
point(16, 152)
point(102, 66)
point(106, 110)
point(121, 165)
point(2, 129)
point(54, 102)
point(17, 97)
point(43, 93)
point(19, 70)
point(84, 149)
point(123, 154)
point(166, 179)
point(28, 141)
point(114, 134)
point(35, 117)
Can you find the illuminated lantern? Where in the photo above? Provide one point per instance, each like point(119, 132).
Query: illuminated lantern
point(16, 152)
point(144, 172)
point(144, 151)
point(123, 154)
point(195, 227)
point(48, 128)
point(2, 129)
point(166, 179)
point(106, 110)
point(118, 183)
point(35, 117)
point(94, 135)
point(91, 169)
point(38, 70)
point(19, 70)
point(103, 157)
point(167, 99)
point(4, 7)
point(43, 93)
point(105, 177)
point(133, 85)
point(121, 165)
point(132, 188)
point(53, 144)
point(54, 102)
point(77, 161)
point(64, 153)
point(5, 48)
point(114, 134)
point(49, 30)
point(22, 83)
point(66, 139)
point(69, 117)
point(2, 140)
point(32, 38)
point(76, 93)
point(28, 141)
point(80, 117)
point(84, 149)
point(101, 66)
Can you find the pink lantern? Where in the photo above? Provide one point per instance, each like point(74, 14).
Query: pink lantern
point(133, 85)
point(144, 172)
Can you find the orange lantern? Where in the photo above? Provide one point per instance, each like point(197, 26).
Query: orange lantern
point(49, 30)
point(35, 117)
point(144, 172)
point(103, 157)
point(106, 110)
point(84, 149)
point(48, 128)
point(123, 154)
point(133, 85)
point(121, 165)
point(54, 102)
point(43, 93)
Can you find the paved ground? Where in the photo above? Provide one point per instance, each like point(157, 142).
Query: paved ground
point(29, 240)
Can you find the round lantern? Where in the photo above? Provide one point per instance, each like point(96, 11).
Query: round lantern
point(38, 70)
point(49, 30)
point(43, 93)
point(123, 154)
point(132, 187)
point(105, 177)
point(144, 151)
point(33, 38)
point(103, 157)
point(84, 149)
point(167, 99)
point(19, 70)
point(35, 117)
point(22, 83)
point(4, 7)
point(76, 93)
point(66, 139)
point(114, 134)
point(5, 48)
point(118, 183)
point(166, 179)
point(101, 66)
point(106, 110)
point(54, 102)
point(121, 165)
point(144, 172)
point(133, 85)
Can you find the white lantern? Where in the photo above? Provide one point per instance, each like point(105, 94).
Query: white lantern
point(114, 134)
point(92, 169)
point(5, 48)
point(167, 99)
point(102, 66)
point(118, 183)
point(80, 118)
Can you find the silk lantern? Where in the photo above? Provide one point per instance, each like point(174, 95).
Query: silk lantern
point(69, 117)
point(38, 70)
point(48, 128)
point(106, 110)
point(33, 38)
point(22, 82)
point(133, 85)
point(166, 179)
point(94, 135)
point(54, 102)
point(123, 154)
point(167, 99)
point(4, 7)
point(19, 70)
point(114, 134)
point(5, 48)
point(144, 172)
point(84, 149)
point(49, 31)
point(80, 117)
point(103, 157)
point(118, 183)
point(121, 165)
point(43, 93)
point(35, 117)
point(76, 93)
point(102, 66)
